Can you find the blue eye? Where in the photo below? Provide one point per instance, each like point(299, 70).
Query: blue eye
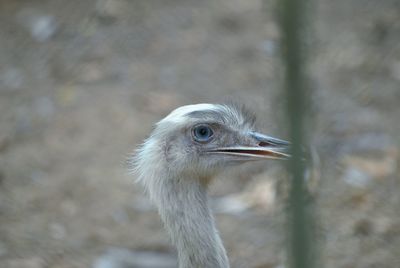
point(202, 133)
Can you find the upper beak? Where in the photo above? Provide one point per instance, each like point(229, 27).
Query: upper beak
point(262, 147)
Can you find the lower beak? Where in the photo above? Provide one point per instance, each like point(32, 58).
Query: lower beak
point(265, 147)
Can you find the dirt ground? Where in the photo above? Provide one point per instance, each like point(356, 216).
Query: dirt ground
point(82, 83)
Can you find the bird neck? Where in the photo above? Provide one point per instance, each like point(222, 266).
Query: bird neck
point(183, 206)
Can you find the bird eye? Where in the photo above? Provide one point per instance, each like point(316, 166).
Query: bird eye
point(202, 133)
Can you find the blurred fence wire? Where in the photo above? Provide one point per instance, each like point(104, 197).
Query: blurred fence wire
point(301, 253)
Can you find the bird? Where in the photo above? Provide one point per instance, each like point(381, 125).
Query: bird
point(178, 161)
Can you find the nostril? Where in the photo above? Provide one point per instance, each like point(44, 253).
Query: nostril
point(264, 144)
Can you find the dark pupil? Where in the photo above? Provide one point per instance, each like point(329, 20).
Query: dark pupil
point(203, 131)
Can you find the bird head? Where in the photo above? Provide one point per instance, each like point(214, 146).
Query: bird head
point(202, 139)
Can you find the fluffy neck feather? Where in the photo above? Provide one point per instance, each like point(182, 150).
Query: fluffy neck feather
point(184, 209)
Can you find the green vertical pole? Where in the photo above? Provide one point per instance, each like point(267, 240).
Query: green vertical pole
point(298, 211)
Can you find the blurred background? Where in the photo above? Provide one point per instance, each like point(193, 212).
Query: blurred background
point(82, 83)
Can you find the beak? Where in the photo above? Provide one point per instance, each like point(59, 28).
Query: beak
point(262, 147)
